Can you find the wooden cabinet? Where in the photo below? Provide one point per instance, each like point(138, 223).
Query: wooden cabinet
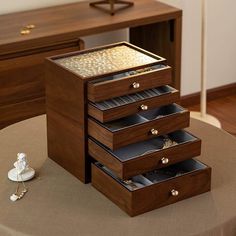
point(111, 107)
point(22, 88)
point(152, 25)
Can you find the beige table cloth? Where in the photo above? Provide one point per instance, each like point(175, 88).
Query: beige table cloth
point(59, 204)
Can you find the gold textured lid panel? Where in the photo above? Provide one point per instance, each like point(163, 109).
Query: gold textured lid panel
point(105, 61)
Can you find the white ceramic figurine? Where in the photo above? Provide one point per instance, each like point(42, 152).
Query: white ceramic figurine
point(22, 170)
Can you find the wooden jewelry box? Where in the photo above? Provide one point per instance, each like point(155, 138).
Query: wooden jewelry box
point(111, 108)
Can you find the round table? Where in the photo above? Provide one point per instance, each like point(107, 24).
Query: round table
point(59, 204)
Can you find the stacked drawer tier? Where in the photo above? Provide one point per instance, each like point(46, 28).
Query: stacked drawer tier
point(126, 105)
point(148, 155)
point(153, 189)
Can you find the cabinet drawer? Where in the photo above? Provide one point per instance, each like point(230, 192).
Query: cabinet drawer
point(126, 83)
point(22, 73)
point(126, 105)
point(22, 88)
point(148, 155)
point(153, 189)
point(139, 127)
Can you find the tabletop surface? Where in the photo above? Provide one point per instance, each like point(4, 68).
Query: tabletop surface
point(75, 20)
point(59, 204)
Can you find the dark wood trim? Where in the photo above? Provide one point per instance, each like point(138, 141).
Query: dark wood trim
point(212, 94)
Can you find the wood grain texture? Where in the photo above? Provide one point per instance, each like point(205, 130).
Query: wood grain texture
point(133, 108)
point(66, 143)
point(65, 101)
point(158, 195)
point(22, 81)
point(154, 196)
point(144, 163)
point(114, 88)
point(107, 185)
point(138, 132)
point(16, 112)
point(70, 21)
point(22, 77)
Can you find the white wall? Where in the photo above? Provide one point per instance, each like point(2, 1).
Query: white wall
point(221, 43)
point(221, 36)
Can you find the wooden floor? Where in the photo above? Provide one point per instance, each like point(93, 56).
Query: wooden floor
point(224, 109)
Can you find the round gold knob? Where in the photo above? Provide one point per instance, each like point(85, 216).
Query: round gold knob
point(164, 160)
point(136, 85)
point(154, 132)
point(31, 26)
point(25, 31)
point(144, 107)
point(174, 192)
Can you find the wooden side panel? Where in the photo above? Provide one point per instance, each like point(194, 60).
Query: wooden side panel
point(102, 156)
point(100, 133)
point(13, 113)
point(22, 83)
point(66, 121)
point(114, 88)
point(65, 93)
point(133, 108)
point(66, 143)
point(111, 189)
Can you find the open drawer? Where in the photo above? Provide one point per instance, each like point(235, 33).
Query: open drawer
point(129, 82)
point(154, 189)
point(148, 155)
point(126, 105)
point(139, 127)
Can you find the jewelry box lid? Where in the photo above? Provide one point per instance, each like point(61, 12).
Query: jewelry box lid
point(106, 60)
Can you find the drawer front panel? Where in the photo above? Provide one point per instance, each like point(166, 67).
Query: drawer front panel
point(11, 114)
point(155, 195)
point(118, 112)
point(113, 88)
point(22, 88)
point(22, 77)
point(144, 130)
point(126, 168)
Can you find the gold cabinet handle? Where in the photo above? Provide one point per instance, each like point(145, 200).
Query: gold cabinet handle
point(27, 29)
point(135, 85)
point(144, 107)
point(154, 132)
point(174, 192)
point(164, 160)
point(25, 32)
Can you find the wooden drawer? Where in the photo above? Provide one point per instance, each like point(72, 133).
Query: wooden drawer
point(22, 76)
point(154, 189)
point(22, 88)
point(122, 84)
point(120, 107)
point(148, 155)
point(139, 127)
